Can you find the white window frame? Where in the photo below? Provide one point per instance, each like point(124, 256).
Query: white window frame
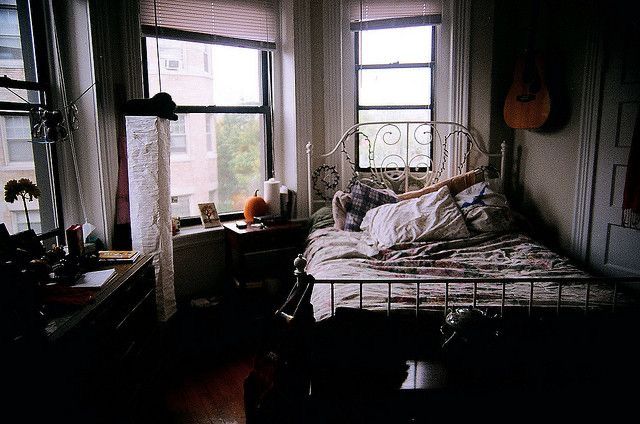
point(379, 107)
point(451, 73)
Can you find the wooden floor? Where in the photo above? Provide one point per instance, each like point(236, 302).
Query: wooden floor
point(201, 381)
point(208, 393)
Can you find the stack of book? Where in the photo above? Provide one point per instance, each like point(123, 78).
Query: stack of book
point(118, 256)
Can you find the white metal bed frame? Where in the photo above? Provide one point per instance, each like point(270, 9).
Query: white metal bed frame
point(439, 138)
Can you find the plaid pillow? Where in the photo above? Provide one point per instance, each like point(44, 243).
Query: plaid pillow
point(364, 198)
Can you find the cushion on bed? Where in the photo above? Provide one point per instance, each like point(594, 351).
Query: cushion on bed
point(455, 184)
point(321, 218)
point(364, 198)
point(433, 216)
point(339, 205)
point(484, 210)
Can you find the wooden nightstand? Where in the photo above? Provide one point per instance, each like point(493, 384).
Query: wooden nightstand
point(261, 259)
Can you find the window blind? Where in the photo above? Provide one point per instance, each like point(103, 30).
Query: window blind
point(377, 14)
point(243, 23)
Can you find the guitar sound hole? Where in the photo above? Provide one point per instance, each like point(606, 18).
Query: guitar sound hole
point(524, 98)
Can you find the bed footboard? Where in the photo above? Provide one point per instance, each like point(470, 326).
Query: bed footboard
point(522, 295)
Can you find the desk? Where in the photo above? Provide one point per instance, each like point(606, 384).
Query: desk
point(94, 359)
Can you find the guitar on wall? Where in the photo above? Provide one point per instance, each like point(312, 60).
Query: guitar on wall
point(528, 103)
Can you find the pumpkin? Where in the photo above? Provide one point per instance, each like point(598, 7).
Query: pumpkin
point(254, 206)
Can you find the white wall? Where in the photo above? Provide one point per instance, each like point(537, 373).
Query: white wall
point(546, 184)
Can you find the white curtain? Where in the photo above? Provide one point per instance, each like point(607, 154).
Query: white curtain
point(148, 144)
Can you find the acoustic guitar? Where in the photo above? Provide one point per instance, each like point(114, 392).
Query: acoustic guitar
point(528, 104)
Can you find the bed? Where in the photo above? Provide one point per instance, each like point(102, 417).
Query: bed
point(375, 291)
point(494, 265)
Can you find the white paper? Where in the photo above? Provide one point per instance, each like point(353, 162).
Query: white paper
point(87, 229)
point(94, 279)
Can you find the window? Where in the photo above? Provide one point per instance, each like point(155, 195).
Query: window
point(20, 220)
point(205, 58)
point(18, 137)
point(171, 58)
point(22, 51)
point(180, 206)
point(394, 81)
point(226, 111)
point(10, 49)
point(208, 132)
point(222, 87)
point(179, 135)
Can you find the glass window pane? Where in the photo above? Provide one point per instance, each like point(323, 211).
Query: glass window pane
point(387, 153)
point(178, 135)
point(378, 87)
point(10, 47)
point(17, 133)
point(19, 151)
point(396, 45)
point(12, 62)
point(240, 153)
point(225, 162)
point(18, 157)
point(180, 206)
point(236, 76)
point(20, 220)
point(209, 133)
point(199, 74)
point(18, 154)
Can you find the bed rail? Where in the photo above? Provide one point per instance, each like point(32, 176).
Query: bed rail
point(400, 155)
point(584, 285)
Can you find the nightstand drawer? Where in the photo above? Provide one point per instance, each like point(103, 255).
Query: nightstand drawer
point(266, 240)
point(270, 262)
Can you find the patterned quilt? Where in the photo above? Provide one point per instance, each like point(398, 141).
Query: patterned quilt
point(335, 254)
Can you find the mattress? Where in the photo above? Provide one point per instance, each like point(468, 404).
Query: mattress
point(336, 254)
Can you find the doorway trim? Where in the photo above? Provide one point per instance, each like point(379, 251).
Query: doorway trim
point(589, 134)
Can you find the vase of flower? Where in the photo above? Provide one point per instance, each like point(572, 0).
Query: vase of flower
point(23, 188)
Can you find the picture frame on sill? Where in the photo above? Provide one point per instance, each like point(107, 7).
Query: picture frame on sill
point(209, 215)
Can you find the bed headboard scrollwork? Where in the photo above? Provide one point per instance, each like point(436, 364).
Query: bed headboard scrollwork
point(397, 155)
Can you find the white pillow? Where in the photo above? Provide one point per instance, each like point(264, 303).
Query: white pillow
point(483, 209)
point(432, 216)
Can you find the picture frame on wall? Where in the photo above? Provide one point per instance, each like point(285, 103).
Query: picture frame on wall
point(209, 215)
